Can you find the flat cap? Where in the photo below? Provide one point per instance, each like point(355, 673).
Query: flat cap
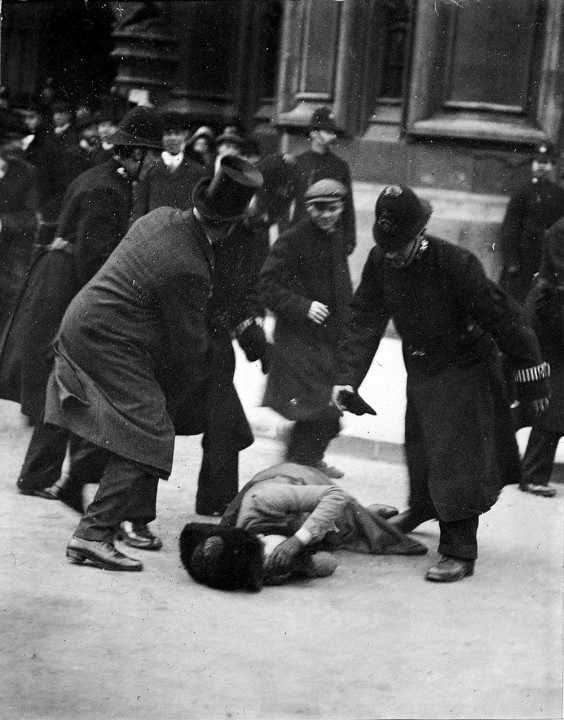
point(326, 190)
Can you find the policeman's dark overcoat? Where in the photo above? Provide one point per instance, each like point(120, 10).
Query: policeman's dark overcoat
point(452, 321)
point(94, 219)
point(133, 345)
point(530, 212)
point(304, 264)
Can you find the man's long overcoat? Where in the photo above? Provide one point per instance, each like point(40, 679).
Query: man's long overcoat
point(94, 219)
point(304, 264)
point(133, 345)
point(453, 321)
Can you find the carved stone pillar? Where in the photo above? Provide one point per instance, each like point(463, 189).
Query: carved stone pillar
point(146, 50)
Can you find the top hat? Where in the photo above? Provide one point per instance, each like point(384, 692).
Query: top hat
point(225, 196)
point(326, 190)
point(322, 118)
point(230, 135)
point(400, 216)
point(140, 127)
point(221, 557)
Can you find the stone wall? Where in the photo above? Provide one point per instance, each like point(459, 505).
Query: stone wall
point(466, 219)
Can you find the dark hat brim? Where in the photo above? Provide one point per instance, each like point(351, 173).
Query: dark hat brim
point(199, 203)
point(123, 138)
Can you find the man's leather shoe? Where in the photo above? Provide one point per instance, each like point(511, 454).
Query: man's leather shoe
point(385, 511)
point(542, 490)
point(102, 554)
point(450, 569)
point(408, 520)
point(139, 536)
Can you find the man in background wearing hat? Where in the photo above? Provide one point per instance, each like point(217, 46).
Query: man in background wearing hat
point(133, 349)
point(19, 204)
point(306, 283)
point(169, 181)
point(281, 525)
point(452, 319)
point(94, 219)
point(531, 211)
point(321, 162)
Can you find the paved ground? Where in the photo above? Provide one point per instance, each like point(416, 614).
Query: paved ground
point(373, 641)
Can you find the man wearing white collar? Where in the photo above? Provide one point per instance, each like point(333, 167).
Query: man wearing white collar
point(169, 181)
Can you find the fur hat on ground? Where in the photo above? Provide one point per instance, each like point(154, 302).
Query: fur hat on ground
point(400, 217)
point(222, 557)
point(226, 196)
point(140, 127)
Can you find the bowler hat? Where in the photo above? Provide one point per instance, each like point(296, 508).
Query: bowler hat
point(326, 190)
point(322, 118)
point(140, 127)
point(400, 216)
point(221, 557)
point(173, 120)
point(226, 195)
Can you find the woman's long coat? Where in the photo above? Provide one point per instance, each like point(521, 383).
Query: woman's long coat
point(95, 217)
point(304, 264)
point(133, 345)
point(460, 444)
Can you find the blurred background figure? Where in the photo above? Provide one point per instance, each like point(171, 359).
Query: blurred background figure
point(19, 203)
point(251, 150)
point(201, 147)
point(320, 162)
point(106, 129)
point(230, 142)
point(530, 212)
point(64, 129)
point(169, 181)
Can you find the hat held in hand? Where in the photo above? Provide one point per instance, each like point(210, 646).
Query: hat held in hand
point(226, 196)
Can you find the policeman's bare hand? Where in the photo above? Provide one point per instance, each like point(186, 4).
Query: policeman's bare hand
point(283, 554)
point(336, 395)
point(539, 406)
point(318, 312)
